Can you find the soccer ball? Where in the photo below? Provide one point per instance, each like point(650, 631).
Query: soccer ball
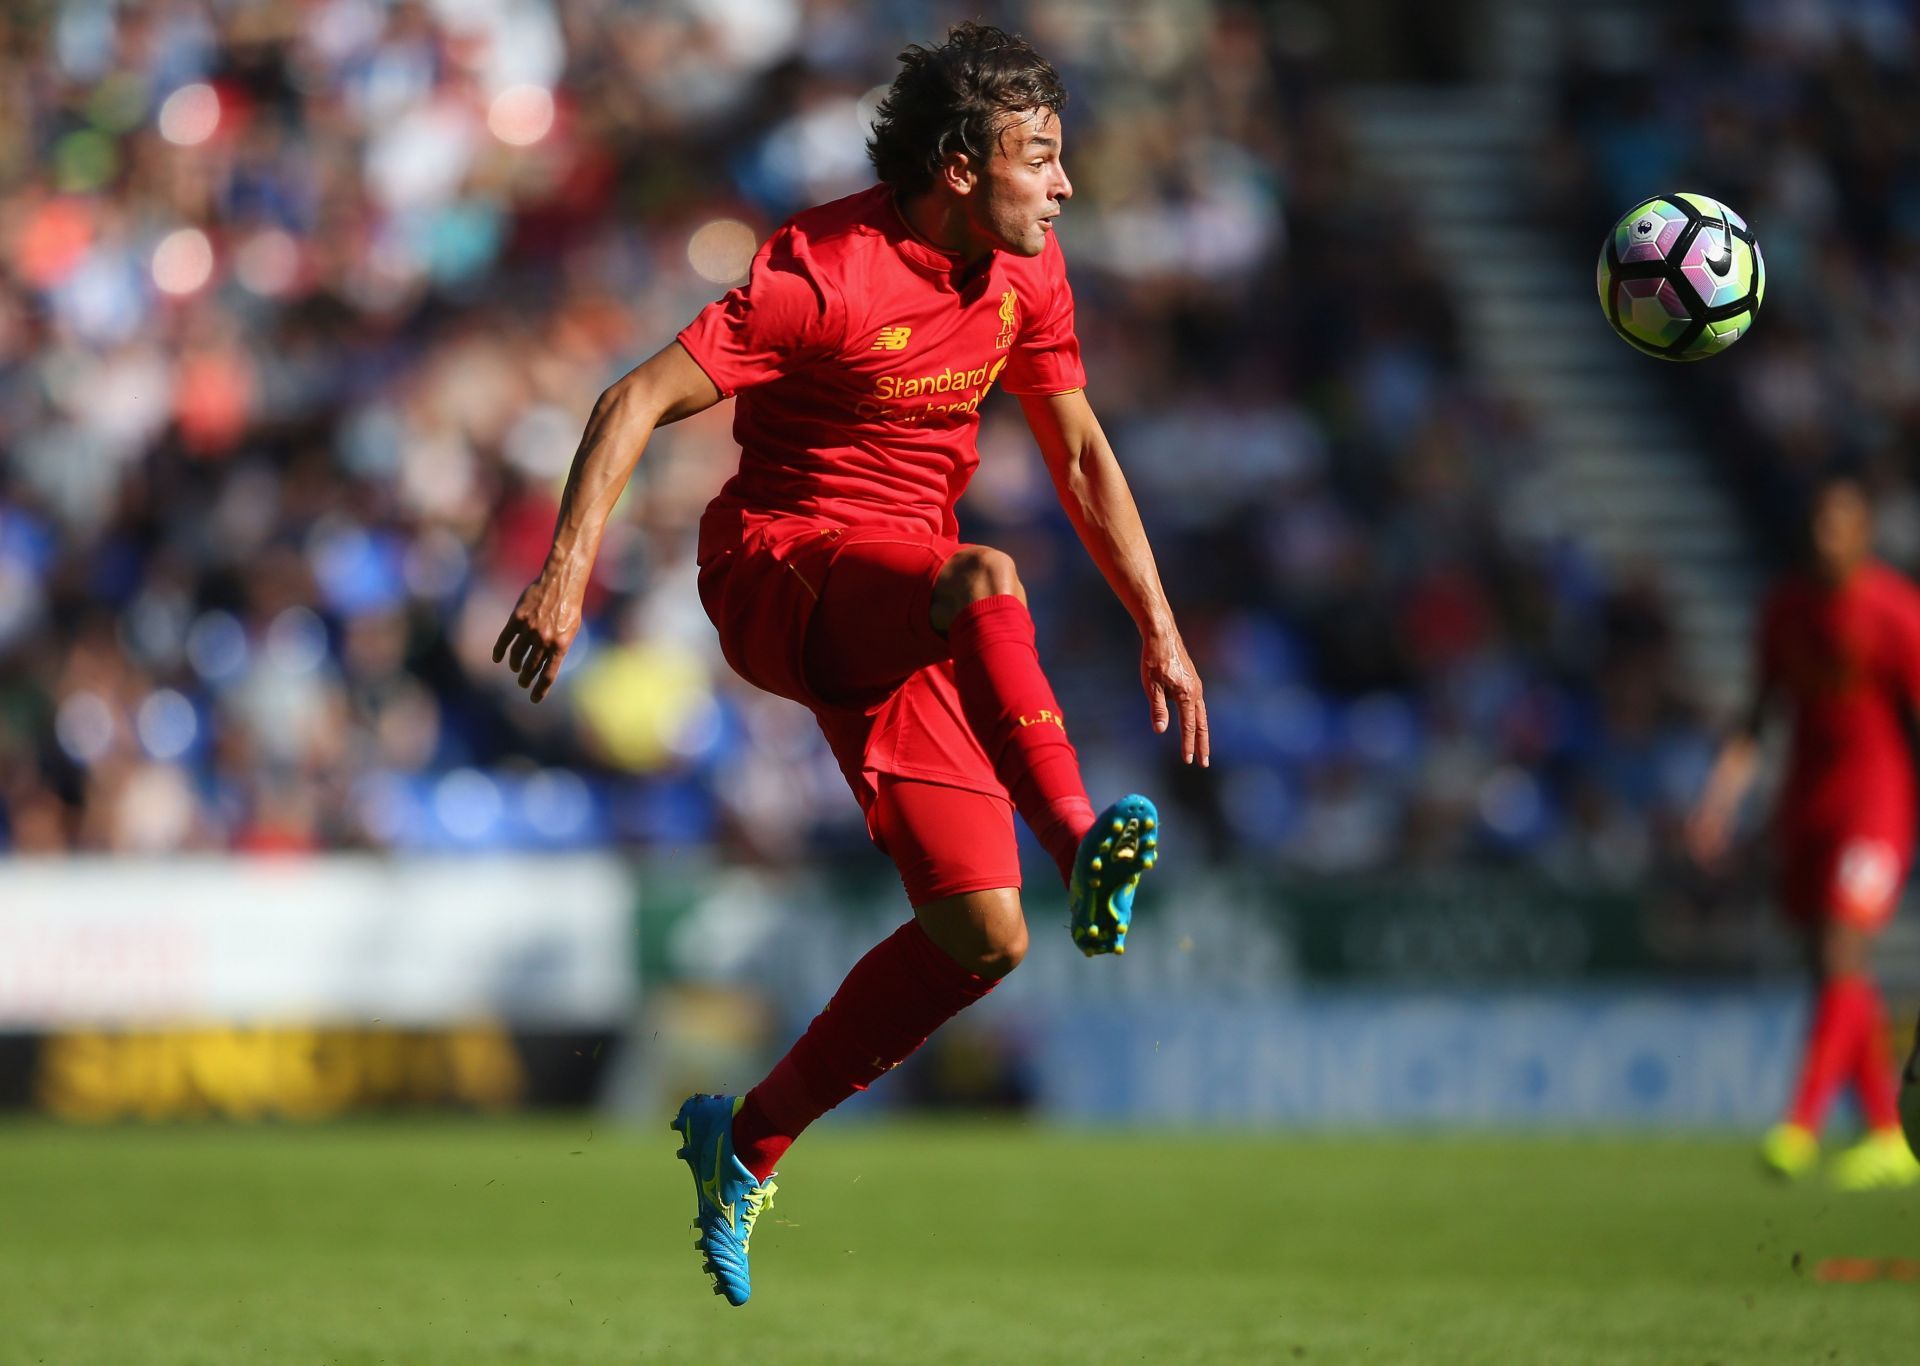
point(1681, 277)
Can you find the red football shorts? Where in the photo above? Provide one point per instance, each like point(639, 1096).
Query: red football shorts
point(838, 619)
point(1852, 878)
point(944, 840)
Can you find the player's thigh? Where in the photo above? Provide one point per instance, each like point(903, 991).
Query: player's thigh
point(945, 841)
point(872, 627)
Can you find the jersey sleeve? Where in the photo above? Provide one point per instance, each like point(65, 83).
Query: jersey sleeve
point(783, 318)
point(1045, 358)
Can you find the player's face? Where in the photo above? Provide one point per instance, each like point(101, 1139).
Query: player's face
point(1842, 530)
point(1023, 186)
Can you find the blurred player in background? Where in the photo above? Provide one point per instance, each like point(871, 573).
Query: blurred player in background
point(861, 346)
point(1910, 1095)
point(1840, 645)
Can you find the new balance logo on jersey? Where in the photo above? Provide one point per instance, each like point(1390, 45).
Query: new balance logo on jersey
point(892, 339)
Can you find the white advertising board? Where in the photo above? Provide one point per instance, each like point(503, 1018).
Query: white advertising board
point(544, 942)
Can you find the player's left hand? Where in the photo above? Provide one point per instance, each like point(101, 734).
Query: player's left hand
point(1173, 688)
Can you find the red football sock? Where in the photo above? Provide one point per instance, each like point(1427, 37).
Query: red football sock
point(1873, 1063)
point(904, 989)
point(1833, 1041)
point(1012, 710)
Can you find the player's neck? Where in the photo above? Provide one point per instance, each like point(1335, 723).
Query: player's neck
point(1838, 575)
point(941, 224)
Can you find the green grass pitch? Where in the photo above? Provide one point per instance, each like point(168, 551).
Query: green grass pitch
point(568, 1241)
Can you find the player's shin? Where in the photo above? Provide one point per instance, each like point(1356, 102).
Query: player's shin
point(897, 995)
point(1873, 1075)
point(1844, 1007)
point(1013, 712)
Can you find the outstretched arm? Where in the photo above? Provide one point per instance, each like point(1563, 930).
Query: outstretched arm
point(664, 388)
point(1094, 492)
point(1710, 826)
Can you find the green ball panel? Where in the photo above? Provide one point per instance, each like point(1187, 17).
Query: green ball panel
point(1704, 205)
point(1709, 207)
point(1720, 334)
point(1652, 311)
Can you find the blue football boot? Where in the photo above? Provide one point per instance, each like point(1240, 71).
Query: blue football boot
point(730, 1198)
point(1121, 846)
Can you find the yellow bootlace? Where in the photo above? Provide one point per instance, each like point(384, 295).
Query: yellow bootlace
point(757, 1199)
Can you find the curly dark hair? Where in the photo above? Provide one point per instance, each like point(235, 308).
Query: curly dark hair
point(955, 98)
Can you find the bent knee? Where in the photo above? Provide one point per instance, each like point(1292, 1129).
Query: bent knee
point(984, 932)
point(1003, 950)
point(992, 946)
point(971, 573)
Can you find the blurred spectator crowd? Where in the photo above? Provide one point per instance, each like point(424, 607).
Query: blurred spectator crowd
point(303, 304)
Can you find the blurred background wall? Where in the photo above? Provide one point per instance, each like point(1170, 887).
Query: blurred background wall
point(303, 304)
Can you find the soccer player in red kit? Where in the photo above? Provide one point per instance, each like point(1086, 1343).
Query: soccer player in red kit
point(1840, 645)
point(860, 348)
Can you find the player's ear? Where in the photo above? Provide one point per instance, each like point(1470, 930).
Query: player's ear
point(957, 173)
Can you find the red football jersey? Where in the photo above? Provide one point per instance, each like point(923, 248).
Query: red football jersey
point(860, 354)
point(1848, 659)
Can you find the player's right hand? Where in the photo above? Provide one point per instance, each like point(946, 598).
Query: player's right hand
point(1709, 828)
point(1173, 690)
point(536, 637)
point(1708, 833)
